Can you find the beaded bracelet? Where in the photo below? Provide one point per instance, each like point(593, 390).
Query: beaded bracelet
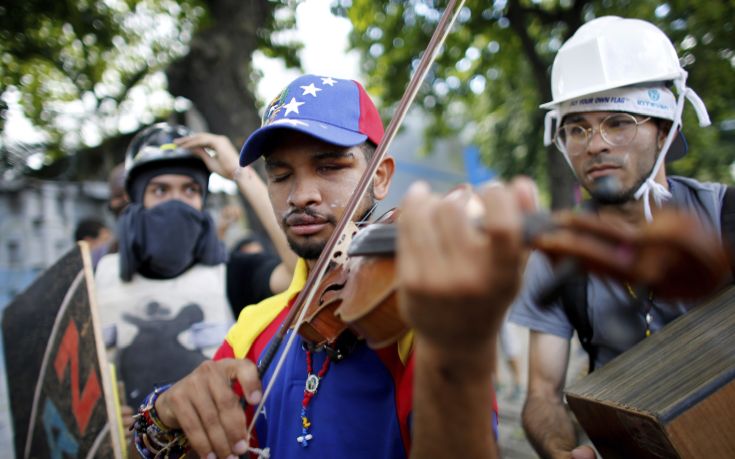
point(153, 439)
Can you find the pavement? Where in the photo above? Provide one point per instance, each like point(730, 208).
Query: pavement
point(512, 439)
point(513, 442)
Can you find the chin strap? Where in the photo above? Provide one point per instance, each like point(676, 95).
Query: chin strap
point(650, 186)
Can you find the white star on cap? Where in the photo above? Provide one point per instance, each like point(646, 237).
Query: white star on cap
point(292, 106)
point(289, 121)
point(329, 81)
point(311, 89)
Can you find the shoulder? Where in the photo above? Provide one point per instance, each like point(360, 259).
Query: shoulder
point(683, 185)
point(526, 310)
point(253, 320)
point(108, 266)
point(204, 274)
point(703, 198)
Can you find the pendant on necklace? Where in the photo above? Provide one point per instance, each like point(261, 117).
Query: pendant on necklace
point(312, 383)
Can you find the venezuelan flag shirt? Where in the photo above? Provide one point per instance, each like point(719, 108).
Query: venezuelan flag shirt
point(362, 406)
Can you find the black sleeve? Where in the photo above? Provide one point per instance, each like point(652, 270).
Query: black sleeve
point(248, 278)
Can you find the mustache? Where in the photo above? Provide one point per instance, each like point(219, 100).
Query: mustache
point(607, 160)
point(295, 213)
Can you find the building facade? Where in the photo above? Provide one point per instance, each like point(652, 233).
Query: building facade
point(37, 222)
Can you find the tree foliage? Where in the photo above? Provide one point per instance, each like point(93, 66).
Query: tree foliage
point(76, 63)
point(86, 70)
point(494, 72)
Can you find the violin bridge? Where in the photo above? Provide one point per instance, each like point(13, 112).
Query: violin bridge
point(339, 254)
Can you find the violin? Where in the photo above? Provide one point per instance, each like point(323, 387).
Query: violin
point(675, 256)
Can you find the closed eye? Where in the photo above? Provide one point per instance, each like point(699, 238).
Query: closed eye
point(331, 167)
point(275, 178)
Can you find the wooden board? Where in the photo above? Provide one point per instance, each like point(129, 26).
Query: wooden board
point(670, 396)
point(61, 401)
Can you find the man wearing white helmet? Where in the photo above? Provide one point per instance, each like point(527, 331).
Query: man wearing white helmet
point(616, 120)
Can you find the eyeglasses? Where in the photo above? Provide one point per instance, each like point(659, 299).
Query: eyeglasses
point(618, 130)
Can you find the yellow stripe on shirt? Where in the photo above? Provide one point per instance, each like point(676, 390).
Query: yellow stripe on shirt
point(256, 318)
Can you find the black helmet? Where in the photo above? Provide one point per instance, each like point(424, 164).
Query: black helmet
point(152, 149)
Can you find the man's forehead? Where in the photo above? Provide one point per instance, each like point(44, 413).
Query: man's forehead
point(172, 179)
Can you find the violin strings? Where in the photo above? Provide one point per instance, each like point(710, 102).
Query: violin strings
point(365, 220)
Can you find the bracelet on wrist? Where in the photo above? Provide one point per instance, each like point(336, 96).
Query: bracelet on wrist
point(153, 438)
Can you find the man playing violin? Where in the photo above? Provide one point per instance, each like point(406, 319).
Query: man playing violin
point(429, 394)
point(617, 121)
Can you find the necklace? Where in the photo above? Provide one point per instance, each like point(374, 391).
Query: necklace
point(646, 303)
point(310, 388)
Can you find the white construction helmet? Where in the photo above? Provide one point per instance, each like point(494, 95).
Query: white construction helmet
point(611, 52)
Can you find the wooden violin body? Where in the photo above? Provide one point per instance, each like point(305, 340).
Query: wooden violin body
point(360, 294)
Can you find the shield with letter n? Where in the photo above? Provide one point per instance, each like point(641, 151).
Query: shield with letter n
point(59, 383)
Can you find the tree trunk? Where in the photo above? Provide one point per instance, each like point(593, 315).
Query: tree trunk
point(561, 179)
point(215, 75)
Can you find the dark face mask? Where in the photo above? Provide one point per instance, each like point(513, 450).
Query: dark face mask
point(164, 241)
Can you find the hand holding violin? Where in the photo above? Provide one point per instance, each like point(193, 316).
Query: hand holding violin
point(453, 272)
point(675, 255)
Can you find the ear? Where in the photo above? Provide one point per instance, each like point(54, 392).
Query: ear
point(383, 177)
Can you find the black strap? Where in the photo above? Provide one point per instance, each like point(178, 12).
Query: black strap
point(727, 224)
point(574, 299)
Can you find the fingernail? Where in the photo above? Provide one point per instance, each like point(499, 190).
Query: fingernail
point(211, 456)
point(240, 447)
point(231, 456)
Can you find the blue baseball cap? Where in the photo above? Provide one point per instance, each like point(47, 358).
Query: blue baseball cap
point(333, 110)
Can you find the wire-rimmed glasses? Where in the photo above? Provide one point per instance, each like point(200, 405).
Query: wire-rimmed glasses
point(618, 129)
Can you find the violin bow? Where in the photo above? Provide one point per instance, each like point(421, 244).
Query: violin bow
point(317, 273)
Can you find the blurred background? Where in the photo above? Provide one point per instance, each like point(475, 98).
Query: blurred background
point(79, 77)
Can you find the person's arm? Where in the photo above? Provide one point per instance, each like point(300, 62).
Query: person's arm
point(225, 163)
point(256, 192)
point(546, 421)
point(456, 282)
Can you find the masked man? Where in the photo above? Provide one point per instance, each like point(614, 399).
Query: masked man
point(162, 297)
